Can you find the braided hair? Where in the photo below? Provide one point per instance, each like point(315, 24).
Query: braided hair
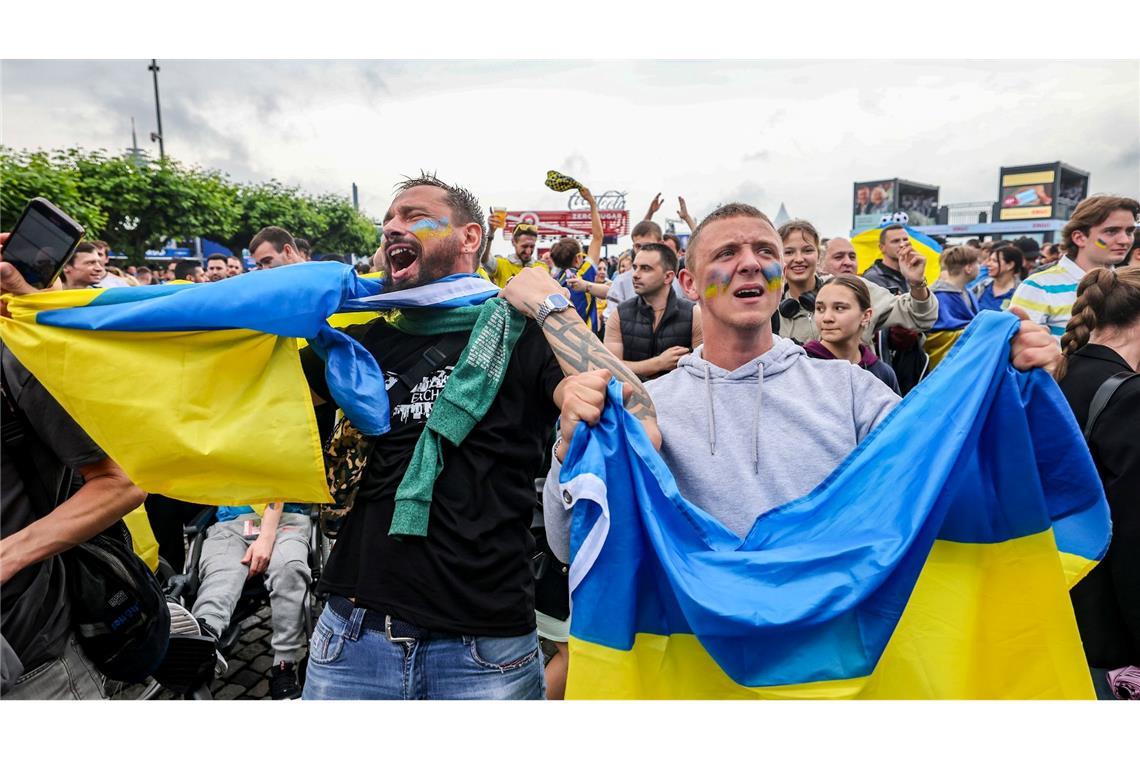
point(1105, 298)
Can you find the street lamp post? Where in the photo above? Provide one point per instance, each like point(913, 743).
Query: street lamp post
point(157, 136)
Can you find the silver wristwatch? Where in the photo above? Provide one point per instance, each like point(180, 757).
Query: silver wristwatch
point(551, 304)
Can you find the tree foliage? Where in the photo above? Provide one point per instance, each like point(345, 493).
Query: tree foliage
point(136, 204)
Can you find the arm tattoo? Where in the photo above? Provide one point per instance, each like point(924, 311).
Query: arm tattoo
point(578, 350)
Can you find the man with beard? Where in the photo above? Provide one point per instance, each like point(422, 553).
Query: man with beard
point(447, 611)
point(652, 331)
point(216, 268)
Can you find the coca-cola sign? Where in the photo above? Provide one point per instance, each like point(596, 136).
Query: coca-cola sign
point(610, 200)
point(573, 223)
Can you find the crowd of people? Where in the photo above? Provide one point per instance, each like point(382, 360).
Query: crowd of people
point(751, 343)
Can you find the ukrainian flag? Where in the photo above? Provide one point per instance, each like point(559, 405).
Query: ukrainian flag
point(197, 390)
point(935, 562)
point(867, 251)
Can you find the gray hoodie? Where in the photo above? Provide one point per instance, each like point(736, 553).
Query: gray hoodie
point(742, 442)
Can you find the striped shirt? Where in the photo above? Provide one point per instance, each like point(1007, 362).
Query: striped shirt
point(1048, 295)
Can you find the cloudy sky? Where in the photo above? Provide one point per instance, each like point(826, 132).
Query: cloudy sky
point(765, 132)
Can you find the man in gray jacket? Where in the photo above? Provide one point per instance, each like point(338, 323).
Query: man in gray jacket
point(774, 422)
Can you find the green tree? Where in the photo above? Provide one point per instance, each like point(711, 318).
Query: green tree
point(272, 204)
point(137, 204)
point(28, 174)
point(345, 230)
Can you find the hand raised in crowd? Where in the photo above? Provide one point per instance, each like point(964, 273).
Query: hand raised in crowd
point(667, 359)
point(1033, 346)
point(494, 221)
point(912, 264)
point(587, 196)
point(11, 281)
point(529, 288)
point(581, 399)
point(258, 554)
point(683, 212)
point(654, 206)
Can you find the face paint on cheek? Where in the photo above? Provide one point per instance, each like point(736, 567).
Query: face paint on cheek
point(427, 229)
point(1101, 244)
point(719, 285)
point(773, 273)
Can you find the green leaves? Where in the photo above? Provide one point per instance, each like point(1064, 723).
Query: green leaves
point(137, 204)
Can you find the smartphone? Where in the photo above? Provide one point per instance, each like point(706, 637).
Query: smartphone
point(42, 242)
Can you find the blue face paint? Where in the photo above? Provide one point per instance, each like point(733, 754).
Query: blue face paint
point(773, 273)
point(426, 229)
point(719, 284)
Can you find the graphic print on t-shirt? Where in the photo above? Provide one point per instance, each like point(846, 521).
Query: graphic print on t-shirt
point(426, 391)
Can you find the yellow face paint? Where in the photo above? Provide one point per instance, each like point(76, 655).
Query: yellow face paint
point(774, 275)
point(427, 229)
point(1101, 244)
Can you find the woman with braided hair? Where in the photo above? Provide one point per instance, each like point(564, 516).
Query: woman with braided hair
point(1101, 341)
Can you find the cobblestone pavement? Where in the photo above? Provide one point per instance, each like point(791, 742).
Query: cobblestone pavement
point(249, 663)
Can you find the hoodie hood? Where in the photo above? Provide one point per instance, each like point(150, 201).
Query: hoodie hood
point(817, 350)
point(868, 357)
point(782, 355)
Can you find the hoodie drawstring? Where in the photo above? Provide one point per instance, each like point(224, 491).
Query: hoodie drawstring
point(756, 421)
point(755, 417)
point(712, 419)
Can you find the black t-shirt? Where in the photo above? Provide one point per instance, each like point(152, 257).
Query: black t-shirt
point(34, 610)
point(472, 574)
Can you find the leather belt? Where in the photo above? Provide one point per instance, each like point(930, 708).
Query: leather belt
point(396, 630)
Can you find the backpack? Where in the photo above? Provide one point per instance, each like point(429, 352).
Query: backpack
point(348, 450)
point(118, 611)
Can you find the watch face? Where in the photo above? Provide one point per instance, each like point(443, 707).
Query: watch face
point(558, 301)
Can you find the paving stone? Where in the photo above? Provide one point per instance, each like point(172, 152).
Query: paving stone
point(229, 691)
point(253, 634)
point(262, 664)
point(246, 679)
point(260, 691)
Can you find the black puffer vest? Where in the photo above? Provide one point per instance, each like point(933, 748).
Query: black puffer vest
point(640, 341)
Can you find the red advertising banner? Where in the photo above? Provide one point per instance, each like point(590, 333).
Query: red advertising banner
point(561, 223)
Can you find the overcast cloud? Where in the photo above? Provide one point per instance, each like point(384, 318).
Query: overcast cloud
point(797, 132)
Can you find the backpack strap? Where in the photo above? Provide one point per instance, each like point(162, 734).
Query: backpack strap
point(1102, 398)
point(23, 444)
point(447, 349)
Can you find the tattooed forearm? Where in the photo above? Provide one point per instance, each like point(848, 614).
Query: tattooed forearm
point(579, 350)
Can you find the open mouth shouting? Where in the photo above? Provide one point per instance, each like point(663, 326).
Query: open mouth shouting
point(402, 256)
point(750, 291)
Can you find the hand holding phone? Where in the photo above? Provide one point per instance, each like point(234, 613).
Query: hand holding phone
point(42, 242)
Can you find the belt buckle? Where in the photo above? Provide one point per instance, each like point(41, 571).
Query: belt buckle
point(394, 639)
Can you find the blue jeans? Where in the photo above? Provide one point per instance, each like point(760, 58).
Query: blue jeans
point(350, 661)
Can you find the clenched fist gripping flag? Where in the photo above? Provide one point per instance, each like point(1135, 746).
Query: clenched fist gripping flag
point(935, 562)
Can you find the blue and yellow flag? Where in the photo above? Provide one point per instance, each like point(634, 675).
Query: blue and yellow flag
point(197, 390)
point(866, 244)
point(935, 562)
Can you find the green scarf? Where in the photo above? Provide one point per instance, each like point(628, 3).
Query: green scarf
point(495, 328)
